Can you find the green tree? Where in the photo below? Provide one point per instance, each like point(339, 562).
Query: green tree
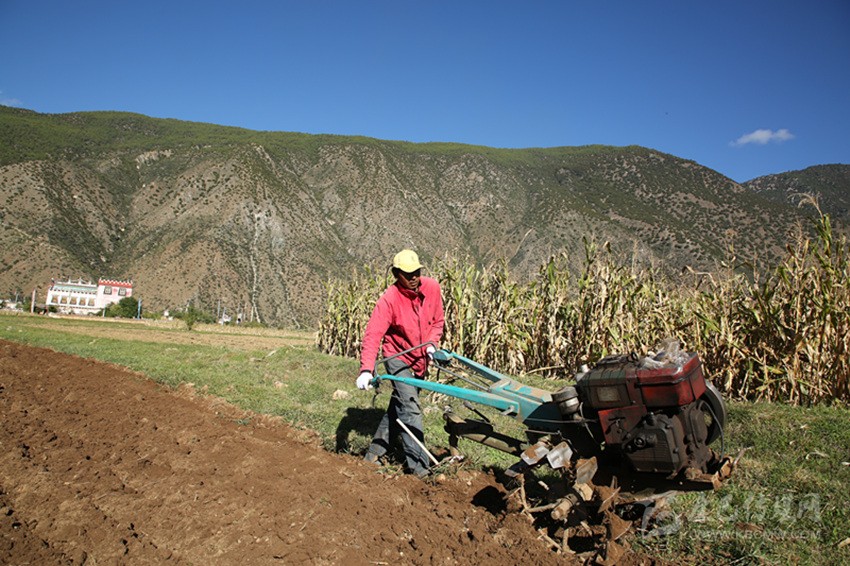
point(192, 315)
point(127, 307)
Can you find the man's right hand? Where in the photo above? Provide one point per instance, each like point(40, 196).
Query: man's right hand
point(364, 380)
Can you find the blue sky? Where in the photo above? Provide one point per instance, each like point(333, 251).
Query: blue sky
point(747, 88)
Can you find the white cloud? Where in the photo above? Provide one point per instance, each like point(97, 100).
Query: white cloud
point(9, 101)
point(762, 137)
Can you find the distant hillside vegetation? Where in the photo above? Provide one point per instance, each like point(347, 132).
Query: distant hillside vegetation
point(829, 183)
point(215, 215)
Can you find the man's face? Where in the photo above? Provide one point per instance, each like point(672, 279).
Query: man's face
point(410, 280)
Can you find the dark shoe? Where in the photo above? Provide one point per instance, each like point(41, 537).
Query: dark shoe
point(372, 458)
point(422, 473)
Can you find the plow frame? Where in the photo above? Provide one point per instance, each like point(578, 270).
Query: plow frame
point(530, 405)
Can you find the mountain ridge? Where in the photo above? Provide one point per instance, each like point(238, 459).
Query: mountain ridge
point(260, 220)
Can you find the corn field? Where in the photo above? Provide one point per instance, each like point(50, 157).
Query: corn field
point(783, 335)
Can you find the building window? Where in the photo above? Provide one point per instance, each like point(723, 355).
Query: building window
point(122, 291)
point(107, 290)
point(91, 302)
point(73, 300)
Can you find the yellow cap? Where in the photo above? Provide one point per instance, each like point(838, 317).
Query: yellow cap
point(407, 261)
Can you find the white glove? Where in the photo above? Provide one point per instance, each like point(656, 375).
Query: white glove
point(363, 380)
point(429, 351)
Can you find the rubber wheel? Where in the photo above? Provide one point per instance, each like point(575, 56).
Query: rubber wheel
point(713, 401)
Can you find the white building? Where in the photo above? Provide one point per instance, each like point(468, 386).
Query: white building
point(85, 297)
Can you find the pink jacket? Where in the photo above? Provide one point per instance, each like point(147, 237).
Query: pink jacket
point(404, 319)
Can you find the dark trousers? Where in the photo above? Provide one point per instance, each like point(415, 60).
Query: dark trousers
point(404, 405)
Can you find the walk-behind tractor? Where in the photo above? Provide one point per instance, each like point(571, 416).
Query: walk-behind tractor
point(630, 431)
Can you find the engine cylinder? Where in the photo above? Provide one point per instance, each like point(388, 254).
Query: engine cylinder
point(567, 400)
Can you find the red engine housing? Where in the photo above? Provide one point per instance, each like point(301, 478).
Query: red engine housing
point(650, 415)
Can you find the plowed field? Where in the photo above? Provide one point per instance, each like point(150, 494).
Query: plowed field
point(99, 465)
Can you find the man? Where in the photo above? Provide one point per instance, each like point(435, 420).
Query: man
point(409, 313)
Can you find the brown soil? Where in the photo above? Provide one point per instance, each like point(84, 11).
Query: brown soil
point(99, 465)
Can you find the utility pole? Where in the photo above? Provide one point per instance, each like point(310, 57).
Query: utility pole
point(32, 304)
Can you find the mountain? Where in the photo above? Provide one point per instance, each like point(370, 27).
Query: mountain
point(261, 220)
point(830, 184)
